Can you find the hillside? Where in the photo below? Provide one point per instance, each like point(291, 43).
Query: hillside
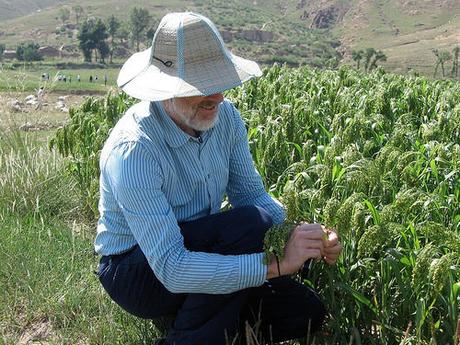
point(406, 31)
point(294, 31)
point(259, 32)
point(19, 8)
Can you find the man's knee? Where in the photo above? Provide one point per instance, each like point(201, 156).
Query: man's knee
point(244, 231)
point(256, 222)
point(238, 231)
point(256, 216)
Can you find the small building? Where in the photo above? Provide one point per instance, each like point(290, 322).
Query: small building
point(9, 54)
point(48, 51)
point(70, 50)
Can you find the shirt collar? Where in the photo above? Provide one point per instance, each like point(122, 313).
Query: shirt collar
point(174, 136)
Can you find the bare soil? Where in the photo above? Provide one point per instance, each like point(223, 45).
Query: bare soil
point(49, 113)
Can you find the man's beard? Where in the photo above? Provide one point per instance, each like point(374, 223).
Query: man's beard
point(189, 116)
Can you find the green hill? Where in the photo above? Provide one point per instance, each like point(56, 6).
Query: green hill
point(18, 8)
point(406, 31)
point(294, 31)
point(258, 31)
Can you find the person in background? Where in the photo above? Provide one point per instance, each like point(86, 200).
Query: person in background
point(167, 249)
point(40, 97)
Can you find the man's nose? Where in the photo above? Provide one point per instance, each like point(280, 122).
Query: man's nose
point(217, 97)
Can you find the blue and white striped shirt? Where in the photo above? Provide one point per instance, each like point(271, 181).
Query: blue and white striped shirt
point(154, 175)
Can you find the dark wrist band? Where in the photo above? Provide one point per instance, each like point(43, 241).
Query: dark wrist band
point(278, 265)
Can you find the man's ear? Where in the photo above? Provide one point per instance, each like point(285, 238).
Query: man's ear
point(167, 105)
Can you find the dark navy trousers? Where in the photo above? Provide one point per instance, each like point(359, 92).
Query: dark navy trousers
point(280, 309)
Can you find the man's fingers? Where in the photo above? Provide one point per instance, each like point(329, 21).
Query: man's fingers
point(313, 254)
point(333, 250)
point(313, 233)
point(332, 239)
point(309, 243)
point(315, 228)
point(330, 261)
point(309, 226)
point(313, 241)
point(332, 256)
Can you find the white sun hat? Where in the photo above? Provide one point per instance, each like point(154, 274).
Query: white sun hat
point(187, 58)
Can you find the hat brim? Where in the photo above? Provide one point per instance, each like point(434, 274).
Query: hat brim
point(142, 80)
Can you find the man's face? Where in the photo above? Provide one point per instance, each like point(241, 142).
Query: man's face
point(197, 113)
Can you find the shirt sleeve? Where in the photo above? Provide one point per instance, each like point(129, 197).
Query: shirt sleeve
point(135, 179)
point(245, 185)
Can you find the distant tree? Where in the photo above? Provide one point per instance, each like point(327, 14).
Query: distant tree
point(456, 52)
point(78, 11)
point(441, 58)
point(2, 50)
point(378, 56)
point(357, 56)
point(86, 39)
point(92, 36)
point(28, 52)
point(103, 48)
point(139, 20)
point(149, 35)
point(64, 14)
point(113, 25)
point(123, 32)
point(100, 36)
point(445, 56)
point(437, 63)
point(368, 55)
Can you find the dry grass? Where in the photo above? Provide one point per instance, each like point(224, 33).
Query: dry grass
point(43, 120)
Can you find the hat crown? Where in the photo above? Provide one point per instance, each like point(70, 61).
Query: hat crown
point(183, 40)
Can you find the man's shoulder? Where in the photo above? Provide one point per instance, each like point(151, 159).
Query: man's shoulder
point(131, 123)
point(129, 128)
point(139, 110)
point(229, 114)
point(228, 106)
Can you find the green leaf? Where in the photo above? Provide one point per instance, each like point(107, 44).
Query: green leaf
point(434, 169)
point(359, 297)
point(405, 261)
point(456, 288)
point(374, 212)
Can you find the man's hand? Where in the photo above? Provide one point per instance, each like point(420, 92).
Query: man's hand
point(306, 242)
point(332, 247)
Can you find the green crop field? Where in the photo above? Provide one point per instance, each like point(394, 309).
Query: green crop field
point(29, 78)
point(375, 156)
